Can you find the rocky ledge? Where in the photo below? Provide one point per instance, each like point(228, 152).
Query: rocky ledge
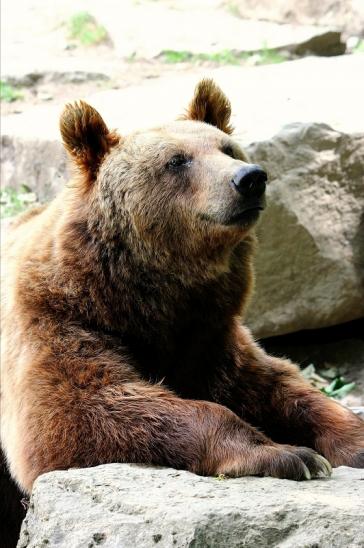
point(125, 505)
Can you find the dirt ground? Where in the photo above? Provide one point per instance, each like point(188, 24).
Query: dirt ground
point(45, 62)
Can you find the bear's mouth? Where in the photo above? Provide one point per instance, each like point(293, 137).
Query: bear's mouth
point(247, 216)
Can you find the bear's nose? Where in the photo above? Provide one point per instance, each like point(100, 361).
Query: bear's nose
point(250, 181)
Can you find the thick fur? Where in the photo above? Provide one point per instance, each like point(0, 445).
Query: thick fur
point(122, 318)
point(86, 137)
point(210, 105)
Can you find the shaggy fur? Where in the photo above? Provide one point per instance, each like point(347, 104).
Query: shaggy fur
point(122, 318)
point(210, 105)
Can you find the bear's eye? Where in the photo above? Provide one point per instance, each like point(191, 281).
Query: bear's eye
point(177, 161)
point(228, 150)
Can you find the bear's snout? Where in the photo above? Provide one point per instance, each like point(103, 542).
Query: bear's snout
point(250, 182)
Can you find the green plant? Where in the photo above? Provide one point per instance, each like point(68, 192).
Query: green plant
point(83, 28)
point(8, 93)
point(359, 48)
point(338, 388)
point(233, 8)
point(267, 56)
point(13, 201)
point(224, 57)
point(220, 477)
point(172, 56)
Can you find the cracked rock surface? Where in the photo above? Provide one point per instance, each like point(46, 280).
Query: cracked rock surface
point(309, 266)
point(125, 505)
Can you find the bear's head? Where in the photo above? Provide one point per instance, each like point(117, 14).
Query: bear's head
point(181, 190)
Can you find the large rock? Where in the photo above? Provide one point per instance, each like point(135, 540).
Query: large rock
point(39, 164)
point(347, 15)
point(310, 270)
point(129, 505)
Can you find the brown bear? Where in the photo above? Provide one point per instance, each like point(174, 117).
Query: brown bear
point(123, 298)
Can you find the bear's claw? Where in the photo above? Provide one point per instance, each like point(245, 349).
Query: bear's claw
point(318, 466)
point(297, 463)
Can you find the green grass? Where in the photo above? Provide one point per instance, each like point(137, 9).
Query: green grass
point(269, 57)
point(225, 57)
point(83, 28)
point(14, 201)
point(8, 93)
point(359, 48)
point(233, 9)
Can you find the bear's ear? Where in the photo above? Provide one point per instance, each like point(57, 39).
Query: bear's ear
point(86, 137)
point(210, 105)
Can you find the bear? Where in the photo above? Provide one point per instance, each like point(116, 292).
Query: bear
point(122, 315)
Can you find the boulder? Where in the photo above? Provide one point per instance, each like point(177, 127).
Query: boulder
point(126, 505)
point(309, 266)
point(346, 15)
point(40, 164)
point(26, 78)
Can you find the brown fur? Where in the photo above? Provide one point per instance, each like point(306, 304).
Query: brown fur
point(210, 105)
point(121, 318)
point(86, 138)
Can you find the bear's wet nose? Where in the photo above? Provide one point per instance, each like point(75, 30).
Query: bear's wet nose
point(250, 181)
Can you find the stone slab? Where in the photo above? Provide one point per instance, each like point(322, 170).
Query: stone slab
point(125, 505)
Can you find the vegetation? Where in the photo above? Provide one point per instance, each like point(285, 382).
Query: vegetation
point(8, 93)
point(226, 57)
point(233, 9)
point(83, 28)
point(268, 56)
point(220, 477)
point(13, 201)
point(337, 388)
point(359, 48)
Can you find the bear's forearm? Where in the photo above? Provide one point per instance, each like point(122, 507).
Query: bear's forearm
point(141, 423)
point(131, 422)
point(272, 394)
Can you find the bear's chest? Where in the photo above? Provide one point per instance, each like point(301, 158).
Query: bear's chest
point(186, 362)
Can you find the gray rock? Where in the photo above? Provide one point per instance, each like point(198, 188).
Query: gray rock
point(309, 267)
point(327, 43)
point(30, 79)
point(346, 15)
point(128, 506)
point(39, 164)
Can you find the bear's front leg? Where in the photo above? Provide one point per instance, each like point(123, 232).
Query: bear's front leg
point(272, 394)
point(81, 414)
